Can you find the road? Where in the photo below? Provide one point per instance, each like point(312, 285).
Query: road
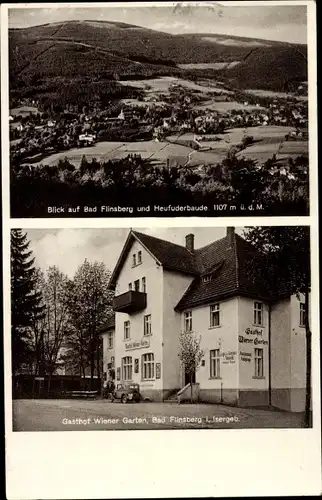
point(79, 415)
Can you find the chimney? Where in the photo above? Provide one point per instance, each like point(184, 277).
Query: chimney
point(230, 235)
point(190, 242)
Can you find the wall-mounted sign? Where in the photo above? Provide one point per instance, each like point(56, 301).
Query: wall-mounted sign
point(246, 356)
point(228, 357)
point(118, 373)
point(129, 346)
point(157, 370)
point(254, 340)
point(136, 365)
point(255, 331)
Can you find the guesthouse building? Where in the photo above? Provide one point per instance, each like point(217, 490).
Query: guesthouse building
point(253, 340)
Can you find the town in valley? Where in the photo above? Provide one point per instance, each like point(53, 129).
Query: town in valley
point(97, 115)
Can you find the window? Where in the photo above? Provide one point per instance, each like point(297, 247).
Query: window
point(188, 321)
point(206, 278)
point(110, 336)
point(139, 257)
point(112, 361)
point(137, 285)
point(147, 324)
point(302, 314)
point(215, 363)
point(147, 366)
point(214, 315)
point(143, 285)
point(127, 368)
point(258, 313)
point(134, 260)
point(259, 363)
point(126, 330)
point(130, 286)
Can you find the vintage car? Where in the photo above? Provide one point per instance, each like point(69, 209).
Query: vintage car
point(127, 392)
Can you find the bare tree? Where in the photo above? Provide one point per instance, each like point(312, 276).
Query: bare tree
point(190, 353)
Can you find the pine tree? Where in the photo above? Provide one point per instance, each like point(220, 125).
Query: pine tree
point(25, 300)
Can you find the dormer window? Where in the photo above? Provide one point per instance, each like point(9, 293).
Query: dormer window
point(206, 278)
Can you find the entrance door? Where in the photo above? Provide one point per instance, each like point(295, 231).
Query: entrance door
point(187, 378)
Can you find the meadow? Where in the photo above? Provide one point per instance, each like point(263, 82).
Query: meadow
point(267, 141)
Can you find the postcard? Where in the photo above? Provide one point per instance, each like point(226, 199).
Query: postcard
point(160, 250)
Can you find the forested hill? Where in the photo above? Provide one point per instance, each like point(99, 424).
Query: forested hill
point(99, 50)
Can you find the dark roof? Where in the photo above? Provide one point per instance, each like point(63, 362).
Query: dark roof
point(228, 263)
point(225, 263)
point(169, 255)
point(109, 324)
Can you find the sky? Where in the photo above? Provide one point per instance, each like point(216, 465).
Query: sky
point(278, 22)
point(68, 248)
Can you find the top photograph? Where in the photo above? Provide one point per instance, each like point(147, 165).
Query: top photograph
point(159, 110)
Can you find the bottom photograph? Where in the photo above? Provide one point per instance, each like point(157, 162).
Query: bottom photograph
point(161, 328)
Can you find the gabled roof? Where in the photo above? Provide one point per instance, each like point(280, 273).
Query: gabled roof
point(228, 261)
point(171, 256)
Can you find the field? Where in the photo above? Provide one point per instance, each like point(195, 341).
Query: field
point(23, 111)
point(162, 85)
point(278, 95)
point(104, 151)
point(217, 65)
point(226, 106)
point(213, 151)
point(263, 152)
point(267, 141)
point(232, 137)
point(142, 104)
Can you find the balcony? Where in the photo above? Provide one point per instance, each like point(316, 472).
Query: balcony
point(129, 302)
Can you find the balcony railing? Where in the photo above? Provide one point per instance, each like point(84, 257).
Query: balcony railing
point(129, 302)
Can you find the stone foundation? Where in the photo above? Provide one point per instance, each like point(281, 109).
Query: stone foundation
point(253, 398)
point(217, 396)
point(157, 394)
point(289, 399)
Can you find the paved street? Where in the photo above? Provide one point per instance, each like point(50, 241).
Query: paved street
point(79, 415)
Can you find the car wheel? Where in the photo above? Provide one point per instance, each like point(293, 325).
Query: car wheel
point(124, 398)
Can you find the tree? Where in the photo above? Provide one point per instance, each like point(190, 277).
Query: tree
point(37, 329)
point(56, 323)
point(89, 306)
point(284, 259)
point(190, 354)
point(25, 300)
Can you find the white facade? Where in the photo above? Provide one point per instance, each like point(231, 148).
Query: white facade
point(254, 352)
point(108, 338)
point(161, 341)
